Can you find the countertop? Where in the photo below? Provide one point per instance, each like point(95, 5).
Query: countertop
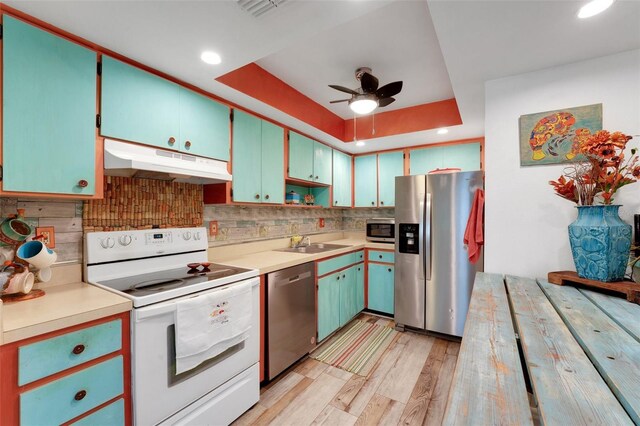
point(62, 306)
point(273, 260)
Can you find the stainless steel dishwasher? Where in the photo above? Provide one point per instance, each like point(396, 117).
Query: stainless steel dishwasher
point(291, 316)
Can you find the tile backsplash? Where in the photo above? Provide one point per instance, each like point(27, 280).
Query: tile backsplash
point(65, 216)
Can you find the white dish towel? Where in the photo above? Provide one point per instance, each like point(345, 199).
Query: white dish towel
point(209, 324)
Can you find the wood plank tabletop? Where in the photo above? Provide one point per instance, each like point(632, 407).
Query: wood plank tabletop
point(565, 382)
point(626, 314)
point(611, 348)
point(488, 384)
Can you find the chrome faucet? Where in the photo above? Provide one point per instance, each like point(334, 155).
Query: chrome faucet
point(302, 242)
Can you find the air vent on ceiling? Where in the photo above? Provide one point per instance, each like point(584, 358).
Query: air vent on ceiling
point(259, 7)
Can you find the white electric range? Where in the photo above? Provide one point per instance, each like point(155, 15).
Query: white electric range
point(150, 268)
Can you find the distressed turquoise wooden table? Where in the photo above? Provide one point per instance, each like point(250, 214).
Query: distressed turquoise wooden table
point(580, 356)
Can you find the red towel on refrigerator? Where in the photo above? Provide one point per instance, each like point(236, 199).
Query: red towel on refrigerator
point(474, 234)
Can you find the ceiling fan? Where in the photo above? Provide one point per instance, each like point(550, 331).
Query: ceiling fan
point(368, 96)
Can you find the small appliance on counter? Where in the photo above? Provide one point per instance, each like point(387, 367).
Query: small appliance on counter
point(381, 230)
point(292, 197)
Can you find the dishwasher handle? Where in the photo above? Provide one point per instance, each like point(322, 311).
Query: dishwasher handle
point(292, 280)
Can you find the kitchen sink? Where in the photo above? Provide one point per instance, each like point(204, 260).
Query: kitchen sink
point(313, 248)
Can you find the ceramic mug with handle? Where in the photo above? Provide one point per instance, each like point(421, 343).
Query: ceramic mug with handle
point(16, 278)
point(14, 230)
point(36, 253)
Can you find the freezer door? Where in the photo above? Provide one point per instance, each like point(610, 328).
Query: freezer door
point(409, 290)
point(449, 285)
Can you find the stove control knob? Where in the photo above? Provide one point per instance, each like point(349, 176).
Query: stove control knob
point(186, 235)
point(111, 242)
point(124, 240)
point(104, 244)
point(196, 236)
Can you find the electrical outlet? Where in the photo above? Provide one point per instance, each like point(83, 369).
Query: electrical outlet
point(48, 235)
point(213, 228)
point(321, 222)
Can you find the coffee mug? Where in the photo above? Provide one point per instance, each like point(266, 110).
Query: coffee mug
point(14, 231)
point(37, 254)
point(44, 275)
point(16, 278)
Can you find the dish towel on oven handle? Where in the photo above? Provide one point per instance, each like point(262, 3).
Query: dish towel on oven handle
point(209, 324)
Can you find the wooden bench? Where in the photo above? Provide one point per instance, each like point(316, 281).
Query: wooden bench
point(567, 340)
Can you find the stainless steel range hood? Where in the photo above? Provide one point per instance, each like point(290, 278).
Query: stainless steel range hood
point(131, 160)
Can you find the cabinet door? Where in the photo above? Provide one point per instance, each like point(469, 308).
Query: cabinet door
point(322, 161)
point(272, 163)
point(341, 179)
point(390, 165)
point(422, 161)
point(139, 106)
point(380, 288)
point(247, 158)
point(347, 295)
point(366, 177)
point(359, 287)
point(49, 112)
point(465, 156)
point(300, 157)
point(328, 305)
point(204, 126)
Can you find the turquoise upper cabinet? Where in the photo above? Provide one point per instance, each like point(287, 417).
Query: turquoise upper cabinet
point(341, 179)
point(309, 160)
point(49, 112)
point(322, 160)
point(463, 156)
point(300, 157)
point(272, 163)
point(366, 175)
point(141, 107)
point(204, 126)
point(258, 160)
point(390, 165)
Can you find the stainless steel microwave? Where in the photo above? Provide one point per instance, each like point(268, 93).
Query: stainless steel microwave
point(381, 230)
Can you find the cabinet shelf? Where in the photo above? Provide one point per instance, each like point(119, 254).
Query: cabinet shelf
point(300, 182)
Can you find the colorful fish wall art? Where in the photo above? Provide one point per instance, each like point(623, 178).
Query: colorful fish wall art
point(554, 137)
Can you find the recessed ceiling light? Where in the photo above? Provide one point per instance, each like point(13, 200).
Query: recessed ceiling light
point(594, 7)
point(443, 131)
point(360, 143)
point(210, 57)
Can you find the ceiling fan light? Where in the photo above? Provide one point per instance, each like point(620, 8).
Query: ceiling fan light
point(363, 105)
point(593, 8)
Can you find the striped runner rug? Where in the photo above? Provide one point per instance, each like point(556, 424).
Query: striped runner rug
point(357, 348)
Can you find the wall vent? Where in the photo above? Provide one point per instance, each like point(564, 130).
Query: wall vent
point(258, 8)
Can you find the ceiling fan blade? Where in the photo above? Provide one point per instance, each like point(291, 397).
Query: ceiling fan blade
point(389, 90)
point(343, 89)
point(341, 100)
point(368, 82)
point(385, 101)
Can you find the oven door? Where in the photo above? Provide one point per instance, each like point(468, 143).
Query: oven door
point(157, 391)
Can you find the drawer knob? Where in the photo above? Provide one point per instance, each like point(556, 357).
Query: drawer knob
point(80, 395)
point(171, 140)
point(382, 203)
point(78, 349)
point(257, 196)
point(380, 256)
point(266, 197)
point(389, 269)
point(83, 183)
point(187, 144)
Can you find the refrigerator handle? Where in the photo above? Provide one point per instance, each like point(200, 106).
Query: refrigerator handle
point(427, 238)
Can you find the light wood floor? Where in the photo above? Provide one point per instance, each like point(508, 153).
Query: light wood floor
point(408, 386)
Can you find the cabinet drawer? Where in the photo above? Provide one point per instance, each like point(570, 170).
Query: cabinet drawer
point(326, 266)
point(47, 357)
point(112, 414)
point(381, 256)
point(360, 256)
point(70, 396)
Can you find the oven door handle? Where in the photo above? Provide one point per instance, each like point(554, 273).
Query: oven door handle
point(146, 312)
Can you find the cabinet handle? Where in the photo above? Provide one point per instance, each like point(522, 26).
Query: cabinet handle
point(78, 349)
point(310, 176)
point(257, 196)
point(80, 395)
point(358, 269)
point(83, 183)
point(382, 203)
point(316, 177)
point(389, 269)
point(343, 276)
point(266, 197)
point(380, 256)
point(373, 203)
point(335, 202)
point(171, 140)
point(187, 144)
point(338, 277)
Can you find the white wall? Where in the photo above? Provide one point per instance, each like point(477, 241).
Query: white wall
point(526, 223)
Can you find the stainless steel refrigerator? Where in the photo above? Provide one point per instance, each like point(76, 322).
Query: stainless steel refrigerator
point(433, 274)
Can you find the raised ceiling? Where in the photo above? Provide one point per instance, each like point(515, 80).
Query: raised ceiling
point(439, 49)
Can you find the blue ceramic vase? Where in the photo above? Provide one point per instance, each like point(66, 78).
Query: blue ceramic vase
point(600, 243)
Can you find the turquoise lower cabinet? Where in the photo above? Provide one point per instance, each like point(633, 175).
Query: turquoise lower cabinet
point(390, 165)
point(68, 397)
point(380, 288)
point(49, 112)
point(341, 179)
point(338, 262)
point(381, 256)
point(463, 156)
point(328, 305)
point(365, 182)
point(348, 296)
point(112, 414)
point(359, 287)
